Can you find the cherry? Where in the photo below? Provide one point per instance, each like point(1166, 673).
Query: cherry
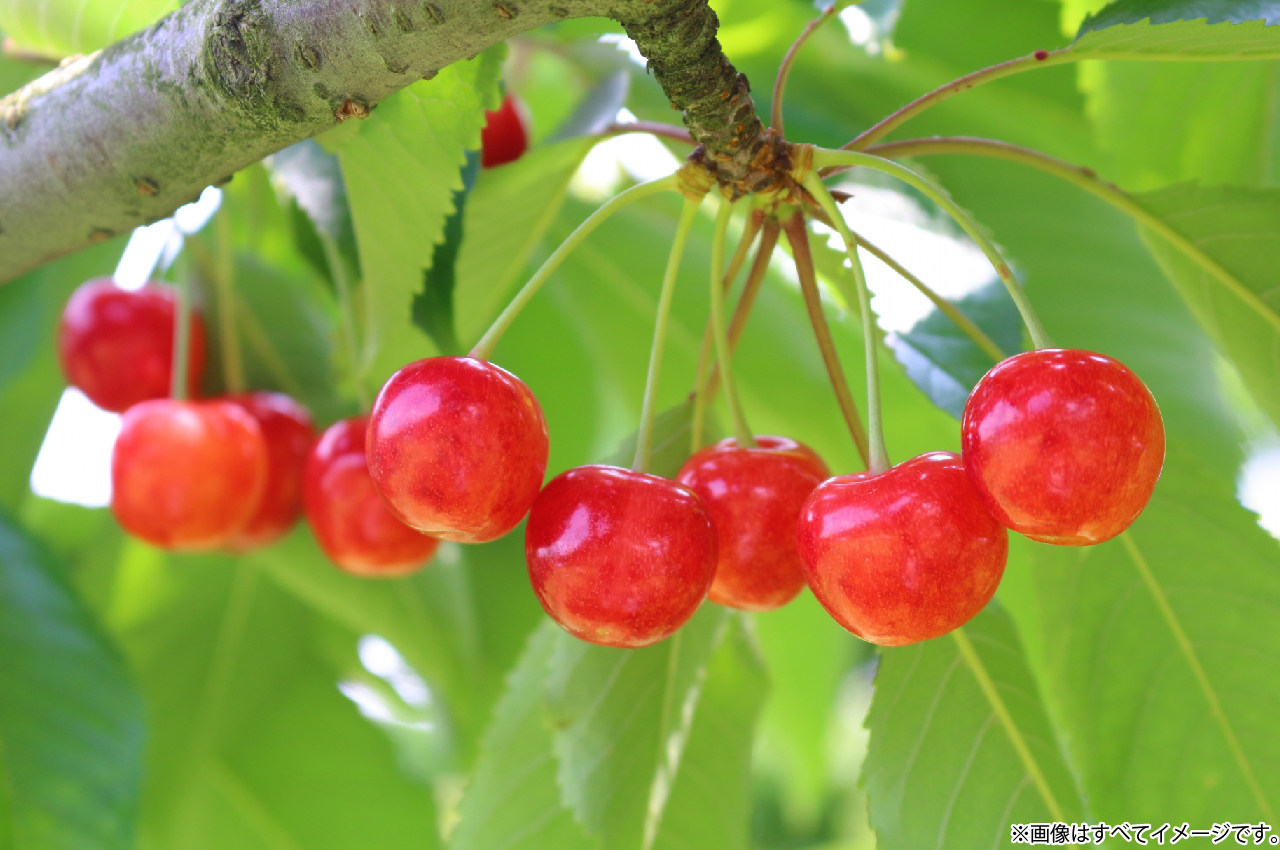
point(504, 137)
point(457, 447)
point(903, 556)
point(350, 520)
point(619, 558)
point(187, 474)
point(116, 345)
point(754, 497)
point(286, 427)
point(1064, 446)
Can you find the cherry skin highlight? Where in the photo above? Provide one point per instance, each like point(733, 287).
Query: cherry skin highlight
point(458, 448)
point(1065, 446)
point(350, 520)
point(754, 497)
point(286, 427)
point(903, 556)
point(504, 137)
point(187, 474)
point(619, 558)
point(116, 345)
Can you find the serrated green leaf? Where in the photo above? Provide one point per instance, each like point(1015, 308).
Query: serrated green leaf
point(433, 305)
point(1229, 279)
point(58, 28)
point(953, 761)
point(1151, 644)
point(312, 176)
point(622, 718)
point(401, 170)
point(945, 363)
point(513, 799)
point(1130, 30)
point(71, 721)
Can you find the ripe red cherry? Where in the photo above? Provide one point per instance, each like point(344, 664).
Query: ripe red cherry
point(457, 447)
point(286, 427)
point(903, 556)
point(619, 558)
point(116, 345)
point(754, 497)
point(350, 521)
point(504, 137)
point(1065, 446)
point(187, 474)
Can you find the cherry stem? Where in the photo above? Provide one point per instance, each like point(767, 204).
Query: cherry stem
point(821, 158)
point(484, 348)
point(784, 70)
point(702, 392)
point(644, 436)
point(879, 461)
point(723, 355)
point(228, 305)
point(178, 379)
point(656, 128)
point(963, 322)
point(1039, 59)
point(1087, 179)
point(798, 236)
point(346, 318)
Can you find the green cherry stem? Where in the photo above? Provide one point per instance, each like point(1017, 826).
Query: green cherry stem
point(823, 158)
point(484, 348)
point(879, 460)
point(644, 436)
point(798, 236)
point(723, 355)
point(1087, 179)
point(703, 391)
point(963, 322)
point(182, 332)
point(346, 317)
point(228, 305)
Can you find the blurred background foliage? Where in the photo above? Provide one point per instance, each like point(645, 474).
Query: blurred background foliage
point(159, 700)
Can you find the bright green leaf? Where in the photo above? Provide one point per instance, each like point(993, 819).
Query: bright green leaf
point(71, 722)
point(58, 28)
point(961, 745)
point(1113, 36)
point(1224, 265)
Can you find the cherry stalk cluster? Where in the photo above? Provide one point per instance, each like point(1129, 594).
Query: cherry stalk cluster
point(1062, 445)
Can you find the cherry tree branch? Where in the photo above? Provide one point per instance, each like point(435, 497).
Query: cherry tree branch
point(125, 136)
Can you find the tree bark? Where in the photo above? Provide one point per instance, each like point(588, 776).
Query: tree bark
point(127, 135)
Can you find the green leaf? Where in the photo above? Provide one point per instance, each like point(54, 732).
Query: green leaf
point(58, 28)
point(1223, 263)
point(1120, 32)
point(622, 719)
point(508, 214)
point(1150, 646)
point(954, 759)
point(71, 722)
point(513, 799)
point(433, 306)
point(943, 362)
point(401, 170)
point(312, 176)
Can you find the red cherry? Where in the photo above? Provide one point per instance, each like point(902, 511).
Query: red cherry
point(619, 558)
point(350, 521)
point(286, 427)
point(187, 474)
point(457, 447)
point(1065, 446)
point(116, 345)
point(504, 137)
point(903, 556)
point(754, 497)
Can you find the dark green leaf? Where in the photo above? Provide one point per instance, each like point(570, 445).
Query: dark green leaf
point(1229, 279)
point(945, 363)
point(948, 765)
point(71, 722)
point(433, 306)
